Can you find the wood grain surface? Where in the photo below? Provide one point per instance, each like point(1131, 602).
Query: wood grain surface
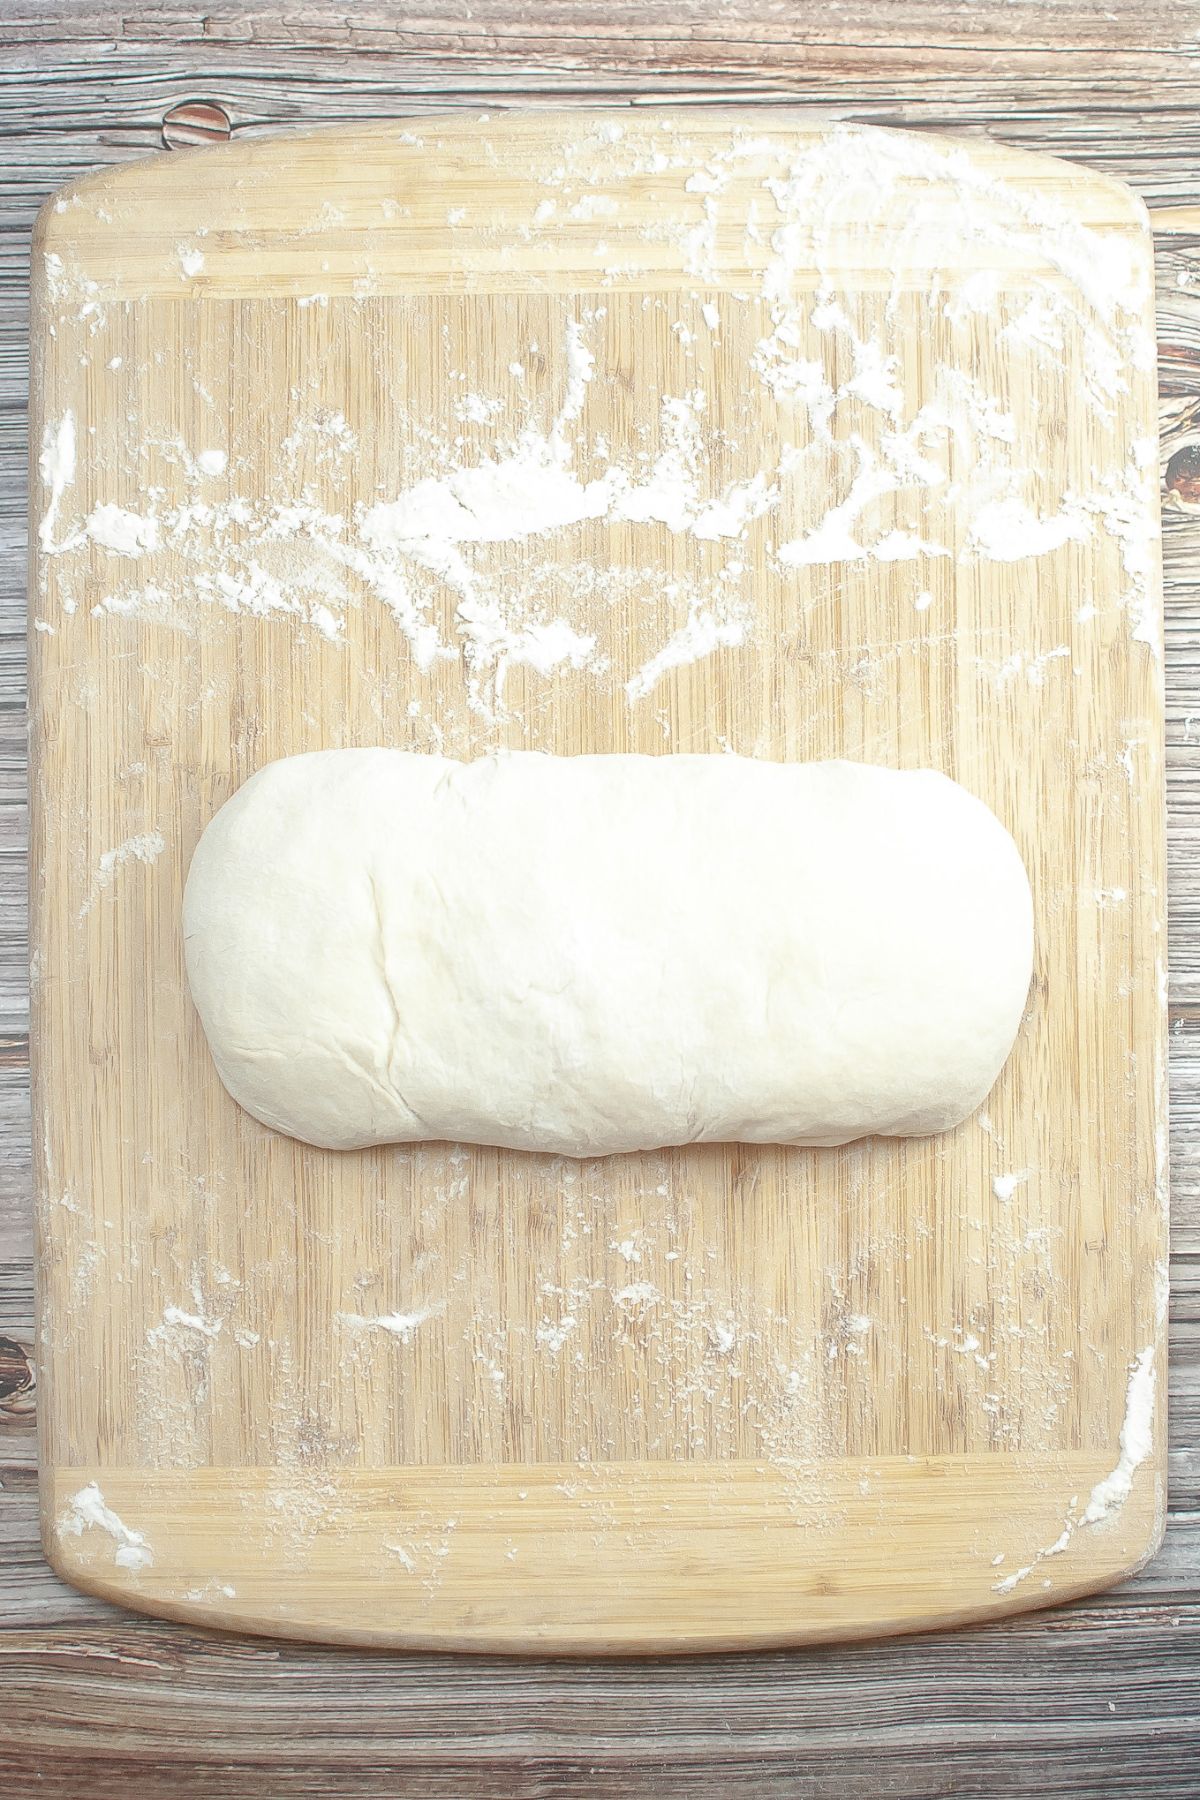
point(714, 1396)
point(1099, 1699)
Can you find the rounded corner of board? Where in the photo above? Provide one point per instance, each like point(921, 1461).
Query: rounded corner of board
point(71, 1561)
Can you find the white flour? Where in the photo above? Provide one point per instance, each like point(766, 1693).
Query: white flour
point(1008, 530)
point(835, 539)
point(534, 490)
point(530, 491)
point(146, 847)
point(552, 1335)
point(175, 1316)
point(212, 1591)
point(56, 465)
point(853, 174)
point(402, 1325)
point(87, 1509)
point(1135, 1443)
point(116, 528)
point(703, 633)
point(1005, 1186)
point(469, 560)
point(874, 378)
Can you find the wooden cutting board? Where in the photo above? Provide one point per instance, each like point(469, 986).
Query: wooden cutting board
point(659, 431)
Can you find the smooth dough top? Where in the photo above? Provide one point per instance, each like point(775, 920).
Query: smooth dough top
point(596, 954)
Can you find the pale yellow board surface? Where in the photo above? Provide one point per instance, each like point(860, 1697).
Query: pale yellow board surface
point(692, 431)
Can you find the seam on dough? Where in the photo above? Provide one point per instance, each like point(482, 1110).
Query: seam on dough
point(380, 949)
point(379, 945)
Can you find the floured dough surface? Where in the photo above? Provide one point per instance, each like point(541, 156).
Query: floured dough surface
point(605, 953)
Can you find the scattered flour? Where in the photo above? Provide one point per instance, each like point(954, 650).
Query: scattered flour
point(117, 529)
point(431, 543)
point(175, 1317)
point(56, 466)
point(636, 1295)
point(1009, 530)
point(146, 848)
point(1005, 1186)
point(534, 490)
point(87, 1509)
point(1135, 1443)
point(552, 1335)
point(211, 1592)
point(402, 1325)
point(702, 634)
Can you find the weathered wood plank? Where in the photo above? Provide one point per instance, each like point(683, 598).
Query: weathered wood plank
point(1015, 1713)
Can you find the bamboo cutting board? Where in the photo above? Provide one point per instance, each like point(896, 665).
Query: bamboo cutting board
point(661, 431)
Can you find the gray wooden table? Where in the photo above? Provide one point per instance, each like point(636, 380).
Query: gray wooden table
point(1101, 1698)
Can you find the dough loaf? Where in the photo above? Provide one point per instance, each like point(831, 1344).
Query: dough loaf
point(605, 953)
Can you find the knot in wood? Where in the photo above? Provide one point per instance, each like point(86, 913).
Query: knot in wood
point(195, 122)
point(1183, 475)
point(16, 1377)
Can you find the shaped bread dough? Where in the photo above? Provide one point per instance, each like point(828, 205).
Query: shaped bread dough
point(604, 953)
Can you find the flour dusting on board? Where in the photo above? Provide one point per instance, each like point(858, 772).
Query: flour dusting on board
point(87, 1509)
point(1135, 1444)
point(178, 1317)
point(56, 465)
point(144, 847)
point(116, 528)
point(211, 1593)
point(534, 490)
point(474, 558)
point(703, 632)
point(1137, 1441)
point(402, 1325)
